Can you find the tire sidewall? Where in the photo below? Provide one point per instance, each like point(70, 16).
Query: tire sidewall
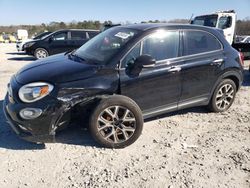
point(47, 54)
point(116, 101)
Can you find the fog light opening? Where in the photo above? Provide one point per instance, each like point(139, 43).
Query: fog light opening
point(30, 113)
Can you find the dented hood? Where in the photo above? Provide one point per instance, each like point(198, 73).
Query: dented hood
point(56, 69)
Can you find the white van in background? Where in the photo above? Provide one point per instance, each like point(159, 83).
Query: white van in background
point(22, 34)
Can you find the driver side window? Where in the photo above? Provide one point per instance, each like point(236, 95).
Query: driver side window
point(132, 55)
point(160, 45)
point(60, 36)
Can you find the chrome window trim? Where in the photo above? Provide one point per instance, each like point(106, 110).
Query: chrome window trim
point(166, 61)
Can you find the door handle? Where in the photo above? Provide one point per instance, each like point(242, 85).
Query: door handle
point(175, 69)
point(217, 61)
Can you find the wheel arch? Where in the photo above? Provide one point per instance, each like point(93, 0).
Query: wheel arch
point(234, 75)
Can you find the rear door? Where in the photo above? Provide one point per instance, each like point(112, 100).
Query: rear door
point(157, 88)
point(203, 60)
point(77, 39)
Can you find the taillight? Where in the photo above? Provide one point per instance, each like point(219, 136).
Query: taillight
point(241, 58)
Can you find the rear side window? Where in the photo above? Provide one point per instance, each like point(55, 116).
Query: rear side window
point(161, 45)
point(78, 35)
point(196, 42)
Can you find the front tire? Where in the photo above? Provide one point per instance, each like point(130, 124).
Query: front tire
point(41, 53)
point(116, 122)
point(223, 96)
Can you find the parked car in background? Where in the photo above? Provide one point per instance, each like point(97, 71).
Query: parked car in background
point(5, 38)
point(20, 43)
point(12, 38)
point(246, 39)
point(114, 79)
point(58, 42)
point(2, 40)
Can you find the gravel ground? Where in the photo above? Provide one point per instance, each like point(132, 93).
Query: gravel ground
point(189, 148)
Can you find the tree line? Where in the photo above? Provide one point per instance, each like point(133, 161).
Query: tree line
point(242, 26)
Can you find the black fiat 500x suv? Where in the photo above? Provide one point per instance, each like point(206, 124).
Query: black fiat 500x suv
point(121, 77)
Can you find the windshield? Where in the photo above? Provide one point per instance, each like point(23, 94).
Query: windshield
point(102, 47)
point(209, 21)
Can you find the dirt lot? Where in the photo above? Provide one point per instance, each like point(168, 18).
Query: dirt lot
point(190, 148)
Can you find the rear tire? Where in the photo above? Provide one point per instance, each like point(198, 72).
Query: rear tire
point(41, 53)
point(116, 122)
point(223, 96)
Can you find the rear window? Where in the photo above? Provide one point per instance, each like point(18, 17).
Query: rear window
point(78, 35)
point(196, 42)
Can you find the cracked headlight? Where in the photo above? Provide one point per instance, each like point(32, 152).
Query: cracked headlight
point(34, 91)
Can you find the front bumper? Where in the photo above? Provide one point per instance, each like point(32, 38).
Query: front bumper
point(28, 51)
point(37, 130)
point(26, 135)
point(41, 129)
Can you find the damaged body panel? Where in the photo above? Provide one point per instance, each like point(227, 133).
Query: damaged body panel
point(56, 111)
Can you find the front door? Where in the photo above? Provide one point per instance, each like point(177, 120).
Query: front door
point(157, 88)
point(59, 43)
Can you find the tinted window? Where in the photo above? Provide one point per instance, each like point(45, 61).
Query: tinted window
point(198, 42)
point(209, 21)
point(225, 22)
point(78, 35)
point(60, 36)
point(132, 55)
point(92, 34)
point(161, 45)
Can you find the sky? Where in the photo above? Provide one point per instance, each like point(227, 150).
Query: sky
point(15, 12)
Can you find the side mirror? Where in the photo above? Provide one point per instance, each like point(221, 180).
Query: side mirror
point(51, 39)
point(145, 61)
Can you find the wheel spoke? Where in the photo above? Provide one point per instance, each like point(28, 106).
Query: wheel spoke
point(125, 134)
point(129, 119)
point(125, 114)
point(105, 127)
point(109, 112)
point(116, 111)
point(219, 101)
point(103, 120)
point(226, 102)
point(116, 140)
point(128, 129)
point(109, 135)
point(230, 94)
